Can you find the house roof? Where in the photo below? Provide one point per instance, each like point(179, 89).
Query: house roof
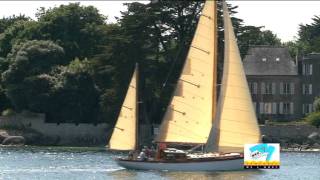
point(312, 56)
point(269, 61)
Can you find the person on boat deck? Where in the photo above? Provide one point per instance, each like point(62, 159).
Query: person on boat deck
point(160, 152)
point(142, 156)
point(130, 155)
point(147, 151)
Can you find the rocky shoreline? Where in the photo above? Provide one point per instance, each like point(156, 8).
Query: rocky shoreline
point(310, 143)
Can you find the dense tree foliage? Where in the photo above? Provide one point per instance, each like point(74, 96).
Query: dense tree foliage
point(74, 67)
point(308, 39)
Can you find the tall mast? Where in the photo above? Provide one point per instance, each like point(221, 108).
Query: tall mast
point(137, 106)
point(215, 59)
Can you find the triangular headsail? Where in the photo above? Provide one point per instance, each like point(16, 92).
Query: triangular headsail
point(124, 136)
point(189, 116)
point(236, 123)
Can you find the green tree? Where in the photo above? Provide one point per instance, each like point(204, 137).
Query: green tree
point(252, 35)
point(18, 32)
point(314, 119)
point(8, 21)
point(78, 29)
point(316, 104)
point(75, 98)
point(309, 36)
point(26, 81)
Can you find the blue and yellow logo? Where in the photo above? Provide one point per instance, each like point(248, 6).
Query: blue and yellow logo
point(262, 156)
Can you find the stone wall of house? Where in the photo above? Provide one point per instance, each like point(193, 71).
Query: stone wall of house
point(288, 131)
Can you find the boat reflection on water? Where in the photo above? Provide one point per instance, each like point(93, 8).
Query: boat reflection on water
point(226, 175)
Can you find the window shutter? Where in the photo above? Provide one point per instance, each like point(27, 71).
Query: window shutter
point(273, 88)
point(274, 108)
point(303, 88)
point(303, 69)
point(291, 108)
point(281, 108)
point(255, 88)
point(263, 88)
point(292, 88)
point(281, 88)
point(303, 109)
point(310, 88)
point(255, 107)
point(310, 70)
point(261, 107)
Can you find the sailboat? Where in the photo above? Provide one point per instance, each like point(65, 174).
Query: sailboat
point(125, 133)
point(195, 117)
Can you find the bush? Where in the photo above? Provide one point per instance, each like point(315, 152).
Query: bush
point(314, 119)
point(316, 104)
point(8, 112)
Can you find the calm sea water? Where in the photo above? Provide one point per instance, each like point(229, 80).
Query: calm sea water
point(88, 163)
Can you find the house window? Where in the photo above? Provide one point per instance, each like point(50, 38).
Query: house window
point(253, 87)
point(286, 108)
point(307, 69)
point(307, 89)
point(268, 108)
point(286, 88)
point(268, 88)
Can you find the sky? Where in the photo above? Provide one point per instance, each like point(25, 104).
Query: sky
point(281, 17)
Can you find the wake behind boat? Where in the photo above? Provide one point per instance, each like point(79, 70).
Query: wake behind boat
point(194, 116)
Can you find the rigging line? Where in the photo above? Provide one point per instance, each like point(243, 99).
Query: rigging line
point(197, 85)
point(204, 15)
point(121, 129)
point(124, 130)
point(127, 108)
point(181, 112)
point(195, 47)
point(171, 68)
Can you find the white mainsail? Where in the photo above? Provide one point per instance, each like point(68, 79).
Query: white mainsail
point(124, 136)
point(236, 123)
point(189, 116)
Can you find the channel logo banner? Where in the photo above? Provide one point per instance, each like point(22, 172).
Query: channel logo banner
point(262, 156)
